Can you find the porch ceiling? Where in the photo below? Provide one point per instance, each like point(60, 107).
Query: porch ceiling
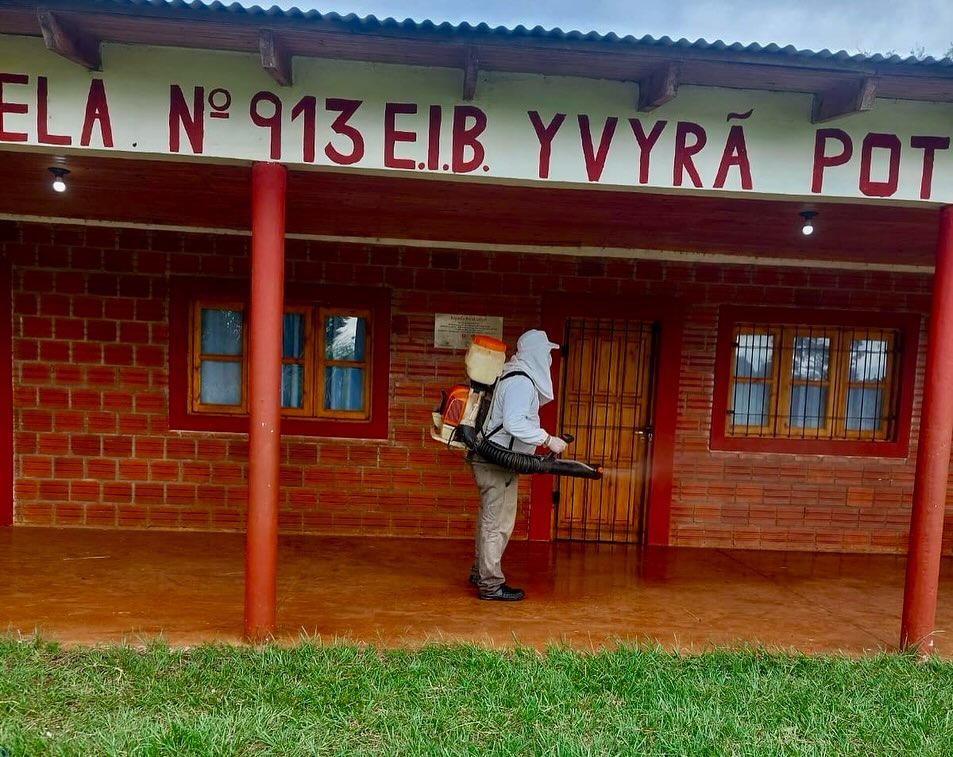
point(360, 206)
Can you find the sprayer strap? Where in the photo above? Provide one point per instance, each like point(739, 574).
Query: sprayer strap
point(499, 428)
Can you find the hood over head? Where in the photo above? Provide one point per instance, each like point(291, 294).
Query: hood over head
point(533, 356)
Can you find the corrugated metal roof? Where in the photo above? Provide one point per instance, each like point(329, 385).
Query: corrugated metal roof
point(464, 29)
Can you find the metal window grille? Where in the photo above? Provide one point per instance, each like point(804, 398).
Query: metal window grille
point(814, 382)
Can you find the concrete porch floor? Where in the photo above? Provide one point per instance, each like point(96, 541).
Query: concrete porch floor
point(91, 587)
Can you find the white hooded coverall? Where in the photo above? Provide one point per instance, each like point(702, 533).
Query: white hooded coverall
point(515, 412)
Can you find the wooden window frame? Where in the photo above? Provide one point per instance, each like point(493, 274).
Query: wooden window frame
point(196, 358)
point(834, 324)
point(307, 361)
point(187, 294)
point(325, 362)
point(846, 385)
point(787, 334)
point(768, 381)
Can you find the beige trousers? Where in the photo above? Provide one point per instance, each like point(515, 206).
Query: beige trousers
point(495, 522)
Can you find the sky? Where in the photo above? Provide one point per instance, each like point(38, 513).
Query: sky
point(903, 27)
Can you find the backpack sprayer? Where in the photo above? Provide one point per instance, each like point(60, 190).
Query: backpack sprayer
point(459, 419)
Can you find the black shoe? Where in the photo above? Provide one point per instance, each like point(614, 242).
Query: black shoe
point(504, 593)
point(474, 579)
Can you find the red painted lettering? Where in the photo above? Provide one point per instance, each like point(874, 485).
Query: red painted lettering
point(875, 141)
point(346, 108)
point(596, 161)
point(97, 110)
point(193, 123)
point(929, 145)
point(271, 121)
point(545, 135)
point(43, 136)
point(467, 138)
point(822, 160)
point(646, 143)
point(392, 135)
point(220, 100)
point(7, 107)
point(307, 106)
point(433, 141)
point(685, 151)
point(735, 154)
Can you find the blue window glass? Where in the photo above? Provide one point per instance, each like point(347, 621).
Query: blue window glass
point(753, 354)
point(292, 386)
point(292, 335)
point(808, 406)
point(221, 383)
point(343, 388)
point(221, 332)
point(864, 408)
point(868, 360)
point(811, 358)
point(750, 405)
point(345, 337)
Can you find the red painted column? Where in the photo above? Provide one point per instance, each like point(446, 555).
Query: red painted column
point(269, 181)
point(933, 456)
point(6, 393)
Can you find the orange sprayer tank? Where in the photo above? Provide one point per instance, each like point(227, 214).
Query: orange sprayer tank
point(485, 358)
point(460, 404)
point(449, 413)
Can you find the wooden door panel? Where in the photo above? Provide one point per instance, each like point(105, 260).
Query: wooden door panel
point(606, 406)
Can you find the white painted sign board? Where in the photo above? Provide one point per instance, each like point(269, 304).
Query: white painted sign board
point(521, 128)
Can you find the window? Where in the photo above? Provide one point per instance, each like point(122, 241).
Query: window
point(333, 363)
point(328, 379)
point(823, 382)
point(219, 372)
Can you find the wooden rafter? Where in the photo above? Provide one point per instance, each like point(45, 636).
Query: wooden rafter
point(844, 99)
point(660, 86)
point(66, 39)
point(274, 59)
point(471, 72)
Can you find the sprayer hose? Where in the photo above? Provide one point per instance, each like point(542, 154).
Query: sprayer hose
point(525, 462)
point(520, 462)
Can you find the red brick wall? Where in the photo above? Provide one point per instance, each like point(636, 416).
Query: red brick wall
point(783, 501)
point(93, 445)
point(92, 439)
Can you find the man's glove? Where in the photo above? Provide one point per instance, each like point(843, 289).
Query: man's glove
point(556, 444)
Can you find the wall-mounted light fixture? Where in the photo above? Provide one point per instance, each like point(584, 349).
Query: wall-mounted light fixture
point(808, 228)
point(59, 181)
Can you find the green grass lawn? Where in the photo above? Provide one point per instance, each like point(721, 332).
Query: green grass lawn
point(352, 700)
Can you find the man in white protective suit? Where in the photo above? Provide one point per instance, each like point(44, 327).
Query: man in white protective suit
point(512, 422)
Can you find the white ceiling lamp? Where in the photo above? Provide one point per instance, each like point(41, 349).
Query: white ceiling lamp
point(808, 228)
point(59, 180)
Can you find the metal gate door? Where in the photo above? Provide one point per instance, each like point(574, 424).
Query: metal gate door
point(607, 405)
